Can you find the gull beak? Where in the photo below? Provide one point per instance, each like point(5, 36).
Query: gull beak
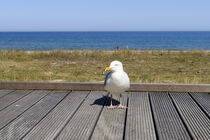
point(108, 69)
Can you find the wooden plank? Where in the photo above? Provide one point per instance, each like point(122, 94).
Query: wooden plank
point(99, 86)
point(163, 87)
point(5, 92)
point(13, 97)
point(111, 122)
point(54, 122)
point(26, 121)
point(139, 124)
point(83, 122)
point(168, 123)
point(203, 100)
point(16, 109)
point(198, 124)
point(52, 85)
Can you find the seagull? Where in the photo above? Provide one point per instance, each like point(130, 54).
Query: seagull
point(116, 81)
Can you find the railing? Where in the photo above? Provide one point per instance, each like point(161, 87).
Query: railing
point(99, 86)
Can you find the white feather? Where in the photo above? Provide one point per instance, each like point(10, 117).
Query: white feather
point(119, 81)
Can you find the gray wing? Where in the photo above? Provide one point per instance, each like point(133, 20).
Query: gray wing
point(108, 75)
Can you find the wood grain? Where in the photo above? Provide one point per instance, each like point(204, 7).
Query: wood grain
point(99, 86)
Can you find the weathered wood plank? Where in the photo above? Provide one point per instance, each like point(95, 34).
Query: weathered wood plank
point(168, 123)
point(170, 87)
point(139, 124)
point(14, 110)
point(203, 100)
point(51, 85)
point(83, 122)
point(13, 97)
point(5, 92)
point(26, 121)
point(99, 86)
point(111, 122)
point(54, 122)
point(196, 121)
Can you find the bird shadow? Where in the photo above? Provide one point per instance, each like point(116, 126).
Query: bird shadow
point(107, 100)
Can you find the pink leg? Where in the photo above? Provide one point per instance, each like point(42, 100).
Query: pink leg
point(120, 106)
point(111, 106)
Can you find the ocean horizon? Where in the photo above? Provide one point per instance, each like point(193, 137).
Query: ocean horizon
point(105, 40)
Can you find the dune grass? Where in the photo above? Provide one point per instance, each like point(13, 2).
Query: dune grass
point(144, 66)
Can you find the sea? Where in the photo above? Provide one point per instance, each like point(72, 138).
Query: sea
point(109, 40)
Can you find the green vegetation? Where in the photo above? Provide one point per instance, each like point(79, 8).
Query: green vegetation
point(145, 66)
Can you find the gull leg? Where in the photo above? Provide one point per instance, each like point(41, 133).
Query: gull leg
point(111, 106)
point(120, 106)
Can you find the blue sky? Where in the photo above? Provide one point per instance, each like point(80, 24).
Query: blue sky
point(104, 15)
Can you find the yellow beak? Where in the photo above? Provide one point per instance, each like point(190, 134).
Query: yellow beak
point(108, 69)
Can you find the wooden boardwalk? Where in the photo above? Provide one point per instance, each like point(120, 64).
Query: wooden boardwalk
point(83, 115)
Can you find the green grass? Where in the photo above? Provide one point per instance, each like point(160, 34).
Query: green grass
point(145, 66)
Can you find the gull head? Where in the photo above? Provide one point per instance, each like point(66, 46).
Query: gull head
point(115, 66)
